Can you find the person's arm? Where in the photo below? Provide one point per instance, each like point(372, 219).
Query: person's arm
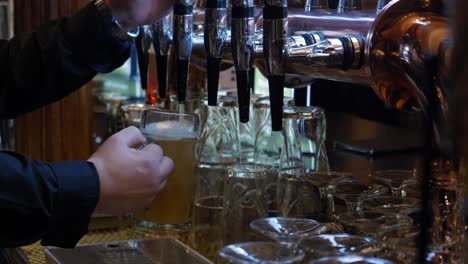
point(48, 201)
point(43, 66)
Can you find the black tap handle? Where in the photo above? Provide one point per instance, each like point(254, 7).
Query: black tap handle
point(182, 77)
point(243, 94)
point(213, 69)
point(276, 87)
point(161, 66)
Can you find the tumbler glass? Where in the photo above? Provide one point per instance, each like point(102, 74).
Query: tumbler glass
point(176, 134)
point(394, 179)
point(243, 201)
point(216, 151)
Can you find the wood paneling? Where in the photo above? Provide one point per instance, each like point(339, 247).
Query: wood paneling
point(60, 131)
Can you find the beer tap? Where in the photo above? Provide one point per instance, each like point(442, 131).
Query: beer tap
point(275, 24)
point(345, 52)
point(215, 34)
point(348, 5)
point(182, 38)
point(162, 38)
point(143, 43)
point(243, 51)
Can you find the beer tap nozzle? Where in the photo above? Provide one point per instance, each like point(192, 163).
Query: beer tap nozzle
point(243, 51)
point(143, 43)
point(183, 27)
point(162, 38)
point(275, 25)
point(215, 35)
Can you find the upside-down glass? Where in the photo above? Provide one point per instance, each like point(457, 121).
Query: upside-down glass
point(177, 134)
point(392, 204)
point(286, 230)
point(260, 252)
point(353, 192)
point(310, 124)
point(394, 179)
point(351, 260)
point(327, 245)
point(372, 223)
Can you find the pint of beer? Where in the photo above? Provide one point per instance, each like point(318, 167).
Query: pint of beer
point(177, 134)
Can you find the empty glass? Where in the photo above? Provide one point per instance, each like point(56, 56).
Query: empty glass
point(353, 192)
point(310, 124)
point(372, 223)
point(392, 204)
point(400, 244)
point(260, 252)
point(216, 151)
point(286, 230)
point(326, 245)
point(326, 184)
point(394, 179)
point(351, 260)
point(177, 134)
point(243, 201)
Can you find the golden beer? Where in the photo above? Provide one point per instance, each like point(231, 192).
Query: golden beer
point(171, 208)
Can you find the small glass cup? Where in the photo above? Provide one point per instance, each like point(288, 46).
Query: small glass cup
point(285, 230)
point(351, 260)
point(353, 192)
point(394, 179)
point(261, 252)
point(243, 201)
point(326, 245)
point(372, 223)
point(392, 204)
point(177, 134)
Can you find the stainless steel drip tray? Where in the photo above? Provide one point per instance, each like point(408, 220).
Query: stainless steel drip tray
point(160, 250)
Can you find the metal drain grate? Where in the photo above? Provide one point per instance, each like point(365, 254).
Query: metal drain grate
point(160, 250)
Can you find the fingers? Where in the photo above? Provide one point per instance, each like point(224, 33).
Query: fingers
point(154, 150)
point(166, 166)
point(131, 137)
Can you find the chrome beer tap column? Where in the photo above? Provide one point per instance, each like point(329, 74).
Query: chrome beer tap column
point(275, 25)
point(183, 27)
point(243, 51)
point(162, 38)
point(345, 52)
point(215, 34)
point(143, 43)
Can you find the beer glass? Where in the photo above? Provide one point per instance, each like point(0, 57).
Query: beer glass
point(177, 134)
point(216, 151)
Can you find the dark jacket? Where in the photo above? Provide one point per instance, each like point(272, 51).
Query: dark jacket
point(51, 202)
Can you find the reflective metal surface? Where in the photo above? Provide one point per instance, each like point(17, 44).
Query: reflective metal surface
point(348, 5)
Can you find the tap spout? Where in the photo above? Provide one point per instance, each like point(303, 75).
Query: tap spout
point(215, 35)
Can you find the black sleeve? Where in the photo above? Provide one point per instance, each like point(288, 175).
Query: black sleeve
point(48, 201)
point(44, 66)
point(52, 202)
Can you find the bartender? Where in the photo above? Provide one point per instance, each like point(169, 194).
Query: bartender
point(53, 202)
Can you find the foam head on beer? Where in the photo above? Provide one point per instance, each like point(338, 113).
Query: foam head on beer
point(170, 130)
